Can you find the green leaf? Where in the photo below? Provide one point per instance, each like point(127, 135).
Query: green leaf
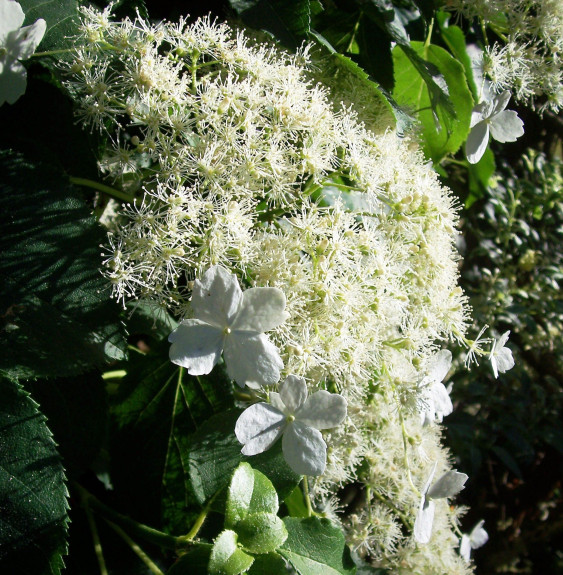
point(194, 562)
point(442, 133)
point(157, 407)
point(295, 503)
point(215, 453)
point(77, 411)
point(455, 40)
point(261, 532)
point(288, 20)
point(268, 564)
point(33, 505)
point(249, 492)
point(226, 558)
point(479, 176)
point(61, 17)
point(316, 547)
point(59, 320)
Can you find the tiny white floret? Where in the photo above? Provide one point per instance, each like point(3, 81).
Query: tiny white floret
point(501, 356)
point(477, 538)
point(448, 485)
point(298, 419)
point(16, 43)
point(232, 322)
point(491, 116)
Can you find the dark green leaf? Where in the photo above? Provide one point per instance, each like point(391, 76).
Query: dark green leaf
point(50, 265)
point(157, 407)
point(442, 133)
point(215, 453)
point(61, 17)
point(226, 558)
point(261, 532)
point(268, 564)
point(316, 547)
point(33, 505)
point(77, 411)
point(194, 562)
point(249, 492)
point(288, 20)
point(507, 459)
point(479, 176)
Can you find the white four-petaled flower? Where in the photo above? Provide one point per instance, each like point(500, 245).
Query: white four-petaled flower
point(435, 402)
point(16, 43)
point(448, 485)
point(298, 419)
point(491, 116)
point(501, 356)
point(230, 321)
point(477, 538)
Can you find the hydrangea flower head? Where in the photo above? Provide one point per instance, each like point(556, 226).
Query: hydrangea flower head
point(298, 419)
point(491, 116)
point(477, 538)
point(501, 356)
point(16, 43)
point(448, 485)
point(435, 398)
point(230, 321)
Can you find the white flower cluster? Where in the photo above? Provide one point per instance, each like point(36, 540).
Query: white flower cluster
point(250, 167)
point(529, 60)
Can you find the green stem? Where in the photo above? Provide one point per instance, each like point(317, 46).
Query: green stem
point(117, 194)
point(52, 52)
point(404, 519)
point(143, 531)
point(192, 533)
point(152, 567)
point(96, 538)
point(307, 497)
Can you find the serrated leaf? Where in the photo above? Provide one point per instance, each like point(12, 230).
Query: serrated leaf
point(50, 265)
point(261, 532)
point(156, 409)
point(226, 558)
point(442, 133)
point(249, 492)
point(316, 547)
point(288, 20)
point(215, 452)
point(33, 505)
point(61, 17)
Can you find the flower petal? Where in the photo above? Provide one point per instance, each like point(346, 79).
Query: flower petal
point(448, 485)
point(28, 38)
point(480, 112)
point(196, 346)
point(504, 360)
point(423, 521)
point(500, 102)
point(439, 365)
point(259, 427)
point(261, 309)
point(477, 142)
point(441, 400)
point(304, 449)
point(293, 393)
point(465, 548)
point(216, 297)
point(252, 360)
point(507, 126)
point(323, 410)
point(11, 18)
point(276, 401)
point(478, 536)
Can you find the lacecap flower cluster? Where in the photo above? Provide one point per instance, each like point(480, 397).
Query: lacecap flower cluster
point(249, 166)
